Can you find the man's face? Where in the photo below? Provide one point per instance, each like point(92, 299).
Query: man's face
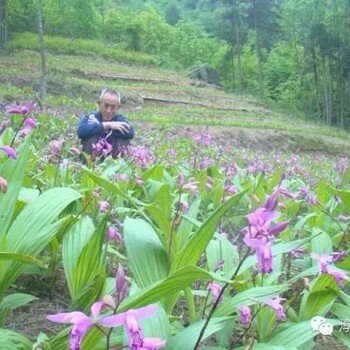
point(109, 106)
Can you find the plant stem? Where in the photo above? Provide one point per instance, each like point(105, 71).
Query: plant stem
point(216, 303)
point(20, 125)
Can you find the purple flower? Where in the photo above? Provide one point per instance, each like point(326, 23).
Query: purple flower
point(215, 289)
point(338, 275)
point(275, 304)
point(103, 206)
point(245, 316)
point(101, 148)
point(11, 152)
point(30, 123)
point(142, 156)
point(121, 283)
point(265, 259)
point(192, 187)
point(297, 252)
point(3, 185)
point(81, 323)
point(113, 234)
point(130, 320)
point(4, 124)
point(323, 261)
point(338, 256)
point(203, 139)
point(138, 180)
point(271, 203)
point(24, 109)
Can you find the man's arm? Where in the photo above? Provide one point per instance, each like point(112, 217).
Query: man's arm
point(121, 128)
point(89, 126)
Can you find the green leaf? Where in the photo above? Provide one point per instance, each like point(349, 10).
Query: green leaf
point(248, 297)
point(26, 259)
point(14, 341)
point(16, 300)
point(36, 216)
point(160, 209)
point(186, 226)
point(267, 346)
point(73, 243)
point(186, 339)
point(192, 251)
point(177, 281)
point(148, 257)
point(323, 292)
point(111, 187)
point(90, 272)
point(344, 196)
point(296, 334)
point(13, 172)
point(321, 243)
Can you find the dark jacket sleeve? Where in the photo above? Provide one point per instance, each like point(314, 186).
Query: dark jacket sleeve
point(129, 135)
point(86, 128)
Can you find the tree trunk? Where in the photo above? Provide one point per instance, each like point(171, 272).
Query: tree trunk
point(258, 53)
point(317, 89)
point(43, 72)
point(239, 48)
point(326, 93)
point(3, 24)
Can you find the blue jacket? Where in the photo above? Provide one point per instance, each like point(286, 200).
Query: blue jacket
point(88, 128)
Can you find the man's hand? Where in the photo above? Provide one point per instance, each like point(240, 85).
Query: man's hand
point(123, 127)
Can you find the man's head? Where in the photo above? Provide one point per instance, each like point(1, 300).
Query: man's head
point(109, 103)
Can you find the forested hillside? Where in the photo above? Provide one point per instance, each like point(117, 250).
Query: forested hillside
point(293, 53)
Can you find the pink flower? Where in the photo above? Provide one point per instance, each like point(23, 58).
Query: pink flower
point(113, 234)
point(130, 320)
point(24, 109)
point(275, 304)
point(81, 323)
point(245, 316)
point(11, 152)
point(102, 148)
point(121, 283)
point(215, 289)
point(265, 259)
point(323, 261)
point(3, 185)
point(338, 275)
point(30, 123)
point(103, 206)
point(138, 180)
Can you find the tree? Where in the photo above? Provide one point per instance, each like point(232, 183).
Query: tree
point(3, 24)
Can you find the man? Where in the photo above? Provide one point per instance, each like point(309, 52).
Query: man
point(105, 132)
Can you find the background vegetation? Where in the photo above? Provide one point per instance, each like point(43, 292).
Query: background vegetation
point(294, 53)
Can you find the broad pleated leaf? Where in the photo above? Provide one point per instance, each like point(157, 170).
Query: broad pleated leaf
point(111, 187)
point(323, 292)
point(147, 255)
point(89, 273)
point(73, 243)
point(36, 216)
point(296, 333)
point(186, 227)
point(192, 251)
point(16, 300)
point(13, 171)
point(177, 281)
point(26, 259)
point(186, 339)
point(14, 341)
point(248, 297)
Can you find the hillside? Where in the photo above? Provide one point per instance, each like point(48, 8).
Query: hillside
point(160, 98)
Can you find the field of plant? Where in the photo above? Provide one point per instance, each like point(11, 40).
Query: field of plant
point(199, 238)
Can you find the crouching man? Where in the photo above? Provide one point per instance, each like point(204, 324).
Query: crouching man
point(105, 132)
